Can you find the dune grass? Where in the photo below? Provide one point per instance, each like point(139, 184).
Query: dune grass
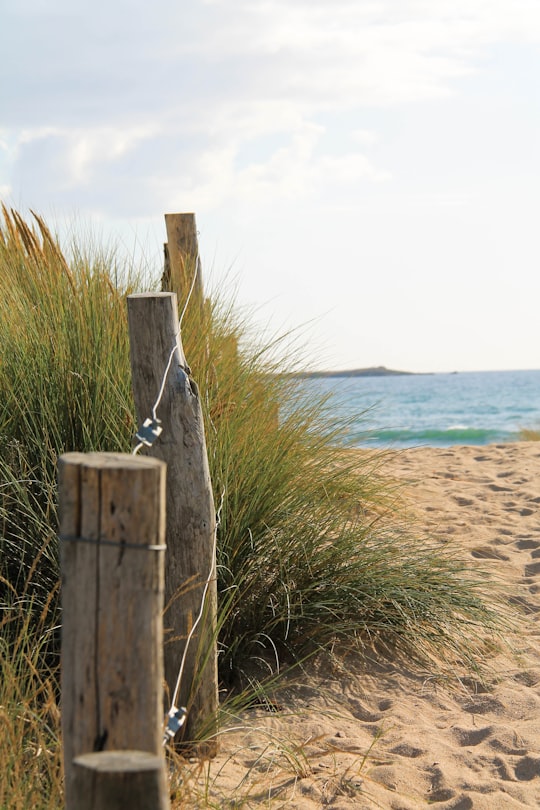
point(310, 552)
point(64, 384)
point(30, 747)
point(529, 435)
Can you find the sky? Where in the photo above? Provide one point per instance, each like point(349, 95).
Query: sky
point(365, 170)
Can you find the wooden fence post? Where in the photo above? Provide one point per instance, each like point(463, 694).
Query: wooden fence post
point(182, 258)
point(117, 780)
point(112, 534)
point(154, 335)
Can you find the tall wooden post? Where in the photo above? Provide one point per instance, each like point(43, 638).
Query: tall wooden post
point(112, 534)
point(182, 258)
point(154, 334)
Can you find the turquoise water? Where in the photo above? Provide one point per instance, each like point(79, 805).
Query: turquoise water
point(437, 410)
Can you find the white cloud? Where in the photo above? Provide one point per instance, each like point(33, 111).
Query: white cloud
point(65, 158)
point(365, 137)
point(103, 145)
point(329, 55)
point(228, 72)
point(303, 118)
point(294, 172)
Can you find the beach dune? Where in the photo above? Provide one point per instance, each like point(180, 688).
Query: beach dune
point(454, 746)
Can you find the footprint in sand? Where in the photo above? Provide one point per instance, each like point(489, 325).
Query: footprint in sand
point(524, 604)
point(407, 750)
point(503, 769)
point(460, 803)
point(461, 501)
point(527, 768)
point(524, 511)
point(532, 569)
point(469, 737)
point(527, 677)
point(483, 704)
point(438, 792)
point(363, 713)
point(527, 542)
point(505, 741)
point(488, 553)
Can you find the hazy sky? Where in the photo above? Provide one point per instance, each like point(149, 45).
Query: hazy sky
point(369, 166)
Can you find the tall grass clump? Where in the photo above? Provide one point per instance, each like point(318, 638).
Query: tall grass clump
point(30, 747)
point(529, 435)
point(64, 385)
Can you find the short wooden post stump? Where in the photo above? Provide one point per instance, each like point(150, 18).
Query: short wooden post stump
point(117, 780)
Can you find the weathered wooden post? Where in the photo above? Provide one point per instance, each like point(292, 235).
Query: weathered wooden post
point(112, 541)
point(155, 340)
point(116, 780)
point(182, 258)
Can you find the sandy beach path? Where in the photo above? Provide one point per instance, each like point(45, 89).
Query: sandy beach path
point(453, 747)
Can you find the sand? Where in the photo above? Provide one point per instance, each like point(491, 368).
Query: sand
point(359, 735)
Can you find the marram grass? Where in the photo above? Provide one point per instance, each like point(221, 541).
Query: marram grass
point(310, 554)
point(30, 748)
point(64, 385)
point(529, 435)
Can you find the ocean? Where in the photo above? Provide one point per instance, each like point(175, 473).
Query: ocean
point(436, 410)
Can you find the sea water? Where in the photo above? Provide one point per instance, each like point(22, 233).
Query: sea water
point(437, 410)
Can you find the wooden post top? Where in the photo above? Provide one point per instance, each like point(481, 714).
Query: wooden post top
point(119, 761)
point(152, 295)
point(111, 461)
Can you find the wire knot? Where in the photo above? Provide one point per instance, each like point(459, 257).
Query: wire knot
point(149, 431)
point(175, 720)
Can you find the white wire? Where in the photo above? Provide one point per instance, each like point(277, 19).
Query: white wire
point(171, 355)
point(203, 599)
point(165, 374)
point(195, 274)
